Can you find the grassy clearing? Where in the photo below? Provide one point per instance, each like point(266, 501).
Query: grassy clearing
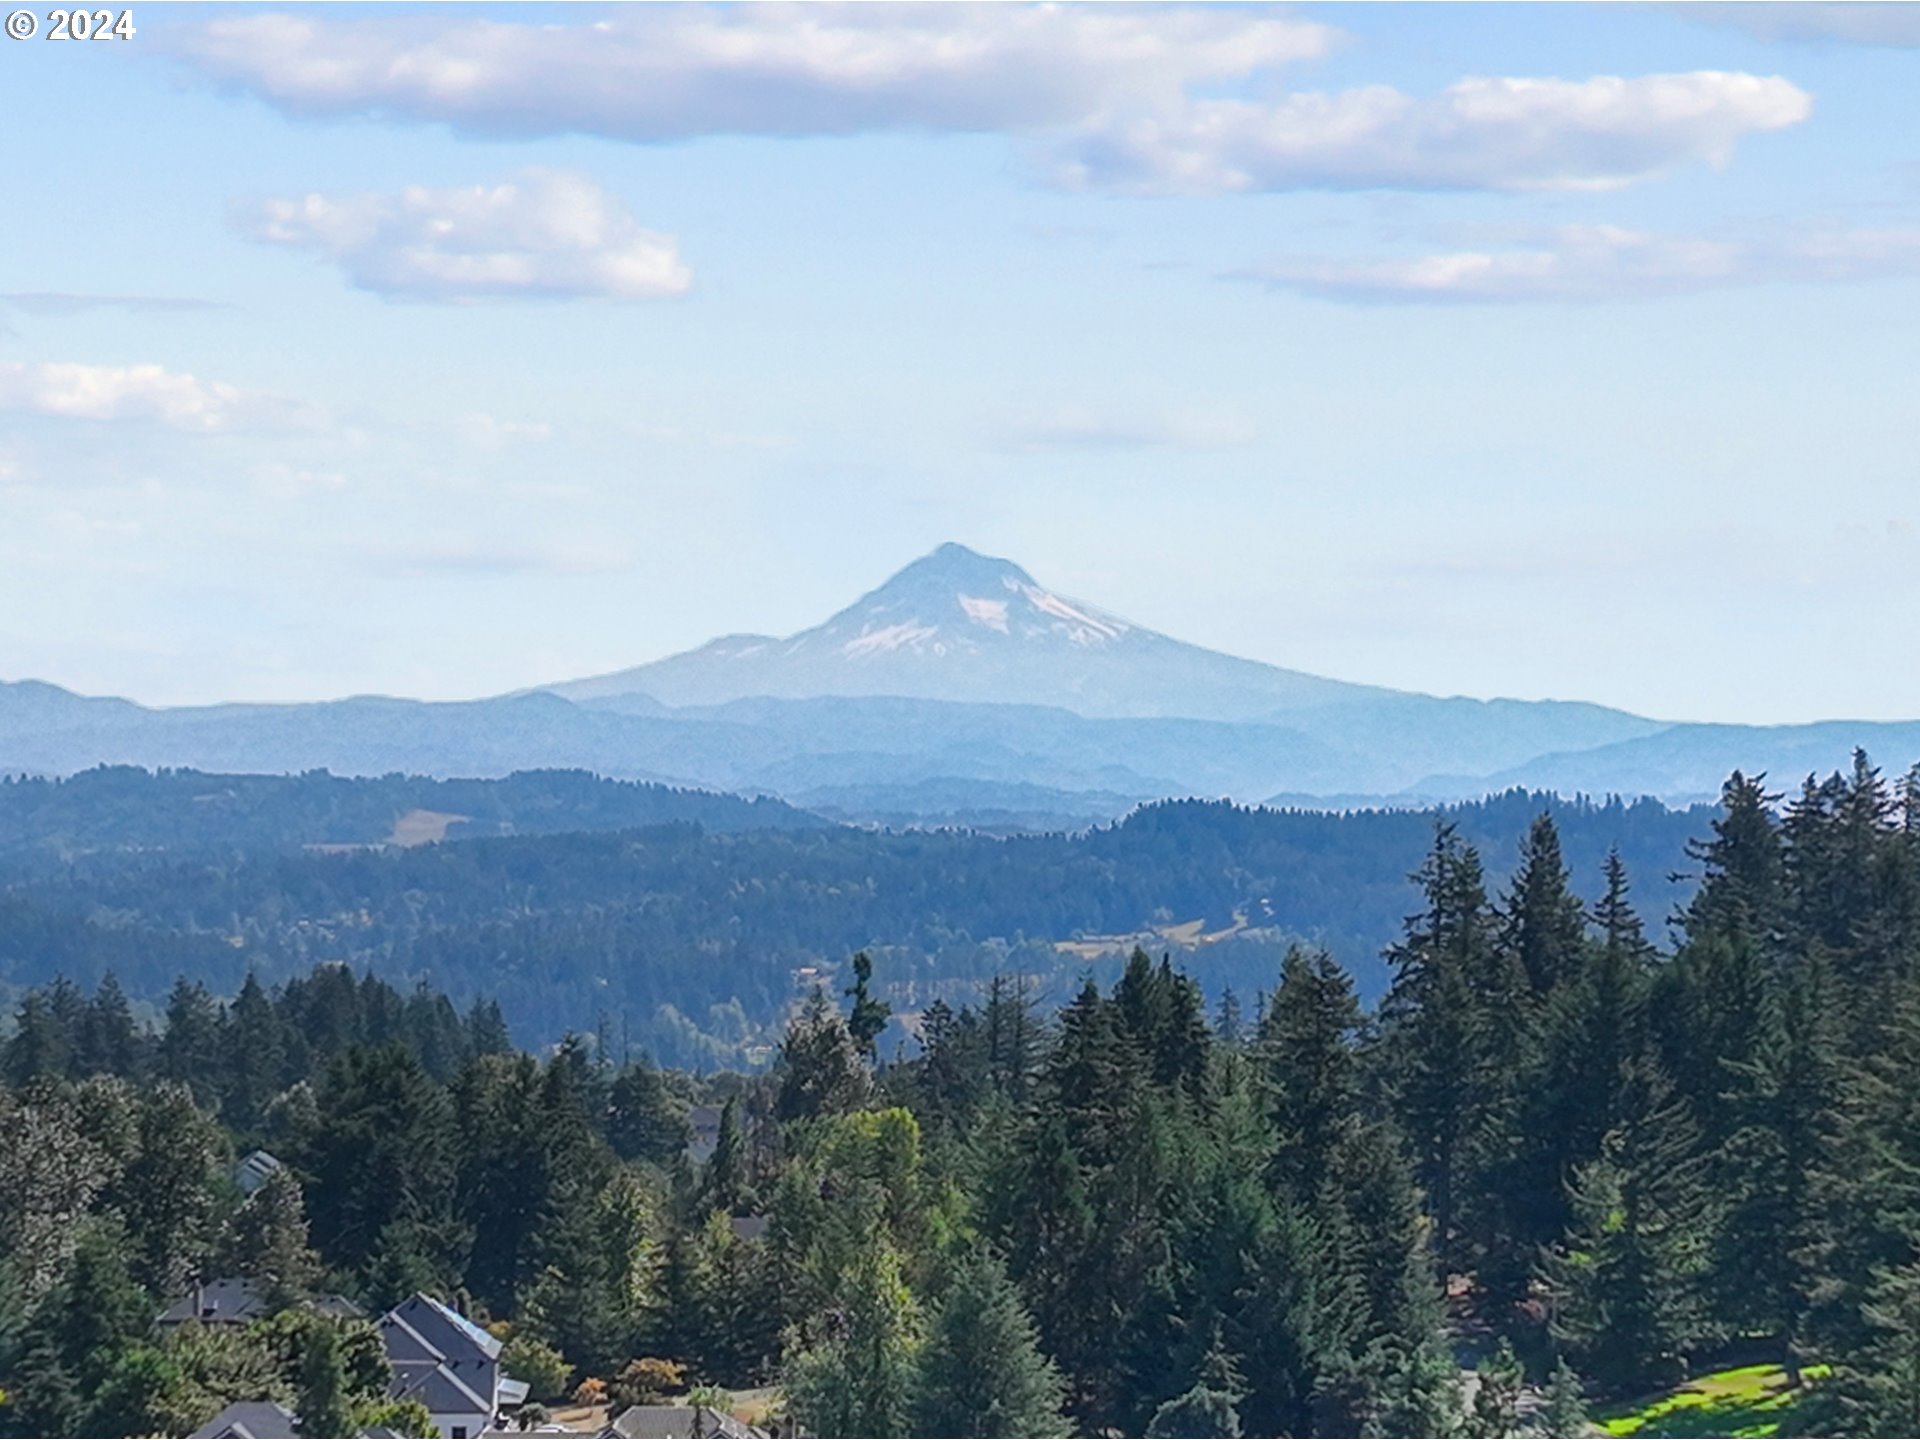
point(1752, 1400)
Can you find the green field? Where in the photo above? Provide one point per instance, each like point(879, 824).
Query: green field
point(1753, 1400)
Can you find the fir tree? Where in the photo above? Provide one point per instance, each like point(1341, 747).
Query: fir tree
point(868, 1016)
point(1209, 1407)
point(981, 1372)
point(1627, 1286)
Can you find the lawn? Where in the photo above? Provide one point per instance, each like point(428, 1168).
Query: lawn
point(1753, 1400)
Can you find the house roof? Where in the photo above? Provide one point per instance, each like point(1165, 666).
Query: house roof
point(254, 1170)
point(250, 1420)
point(235, 1300)
point(444, 1360)
point(231, 1301)
point(672, 1422)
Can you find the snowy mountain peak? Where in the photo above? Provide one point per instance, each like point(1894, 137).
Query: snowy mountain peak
point(959, 625)
point(954, 600)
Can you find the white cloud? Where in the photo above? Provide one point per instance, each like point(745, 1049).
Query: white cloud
point(544, 234)
point(672, 72)
point(1479, 134)
point(1135, 90)
point(1603, 262)
point(1884, 22)
point(1085, 430)
point(142, 393)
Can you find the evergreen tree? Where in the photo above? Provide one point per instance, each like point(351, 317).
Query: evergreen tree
point(324, 1405)
point(1495, 1412)
point(1565, 1414)
point(1543, 923)
point(646, 1120)
point(821, 1069)
point(191, 1044)
point(1627, 1286)
point(981, 1372)
point(1209, 1407)
point(253, 1056)
point(381, 1170)
point(869, 1014)
point(1308, 1068)
point(109, 1043)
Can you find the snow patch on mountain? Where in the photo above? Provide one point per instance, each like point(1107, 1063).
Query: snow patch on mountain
point(991, 613)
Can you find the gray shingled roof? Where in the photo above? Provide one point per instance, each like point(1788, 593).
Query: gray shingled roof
point(250, 1420)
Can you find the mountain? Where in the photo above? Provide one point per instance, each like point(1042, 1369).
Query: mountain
point(961, 626)
point(960, 691)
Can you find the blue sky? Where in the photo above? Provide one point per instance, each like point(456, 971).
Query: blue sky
point(1541, 351)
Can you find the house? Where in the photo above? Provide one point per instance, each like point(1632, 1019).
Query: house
point(254, 1171)
point(250, 1420)
point(237, 1301)
point(264, 1420)
point(450, 1365)
point(677, 1422)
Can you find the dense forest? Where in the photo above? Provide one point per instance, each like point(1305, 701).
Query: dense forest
point(695, 939)
point(1558, 1166)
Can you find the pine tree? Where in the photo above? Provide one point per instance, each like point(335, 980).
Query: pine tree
point(868, 1016)
point(646, 1120)
point(109, 1043)
point(253, 1056)
point(1308, 1069)
point(1495, 1412)
point(1210, 1407)
point(981, 1372)
point(1452, 1029)
point(1542, 924)
point(1565, 1414)
point(323, 1404)
point(190, 1046)
point(1876, 1390)
point(1627, 1286)
point(821, 1069)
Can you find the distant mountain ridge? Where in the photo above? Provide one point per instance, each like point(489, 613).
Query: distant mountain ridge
point(961, 689)
point(960, 626)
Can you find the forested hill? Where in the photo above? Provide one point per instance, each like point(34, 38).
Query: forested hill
point(700, 942)
point(122, 807)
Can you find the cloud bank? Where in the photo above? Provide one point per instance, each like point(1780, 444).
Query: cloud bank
point(1481, 134)
point(544, 234)
point(674, 72)
point(1125, 98)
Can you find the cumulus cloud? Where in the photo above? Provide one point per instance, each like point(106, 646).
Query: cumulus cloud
point(1084, 430)
point(678, 71)
point(142, 393)
point(544, 234)
point(1125, 97)
point(1602, 262)
point(1884, 22)
point(1480, 134)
